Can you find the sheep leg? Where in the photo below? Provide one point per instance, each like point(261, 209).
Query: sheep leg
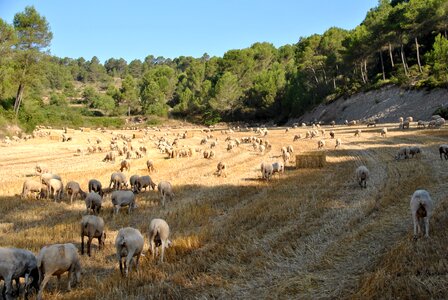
point(137, 259)
point(152, 245)
point(163, 251)
point(128, 262)
point(7, 288)
point(426, 220)
point(70, 275)
point(82, 244)
point(42, 286)
point(121, 265)
point(89, 243)
point(414, 217)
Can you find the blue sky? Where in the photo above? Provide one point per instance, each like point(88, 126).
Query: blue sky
point(136, 28)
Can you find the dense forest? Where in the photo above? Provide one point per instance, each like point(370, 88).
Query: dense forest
point(399, 42)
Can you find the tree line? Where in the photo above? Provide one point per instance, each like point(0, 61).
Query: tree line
point(399, 42)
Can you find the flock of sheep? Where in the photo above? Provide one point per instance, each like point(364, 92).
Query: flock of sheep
point(54, 260)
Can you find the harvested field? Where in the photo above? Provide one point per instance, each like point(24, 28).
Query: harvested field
point(305, 234)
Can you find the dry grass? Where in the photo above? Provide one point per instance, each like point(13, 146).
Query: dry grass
point(308, 233)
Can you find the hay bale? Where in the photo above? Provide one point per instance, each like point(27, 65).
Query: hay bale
point(54, 137)
point(311, 159)
point(138, 135)
point(69, 130)
point(85, 129)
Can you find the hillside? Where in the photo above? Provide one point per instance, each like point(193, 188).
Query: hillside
point(385, 105)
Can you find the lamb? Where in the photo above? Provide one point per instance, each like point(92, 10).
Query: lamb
point(402, 152)
point(95, 186)
point(414, 150)
point(56, 260)
point(362, 174)
point(221, 169)
point(123, 198)
point(421, 210)
point(31, 185)
point(443, 149)
point(92, 227)
point(320, 144)
point(143, 182)
point(129, 243)
point(150, 166)
point(125, 165)
point(338, 143)
point(383, 132)
point(159, 232)
point(93, 202)
point(266, 171)
point(118, 180)
point(73, 189)
point(165, 190)
point(16, 263)
point(278, 167)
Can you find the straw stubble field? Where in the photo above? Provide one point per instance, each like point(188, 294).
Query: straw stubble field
point(308, 233)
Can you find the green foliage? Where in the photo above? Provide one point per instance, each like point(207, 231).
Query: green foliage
point(438, 60)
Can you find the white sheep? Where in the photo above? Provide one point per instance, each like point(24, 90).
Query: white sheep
point(31, 185)
point(92, 227)
point(362, 174)
point(338, 143)
point(278, 167)
point(383, 132)
point(56, 188)
point(165, 190)
point(286, 157)
point(421, 210)
point(266, 170)
point(117, 180)
point(221, 169)
point(129, 243)
point(122, 199)
point(320, 144)
point(16, 263)
point(73, 189)
point(56, 260)
point(159, 232)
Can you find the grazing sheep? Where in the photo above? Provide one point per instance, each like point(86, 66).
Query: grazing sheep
point(129, 243)
point(56, 188)
point(371, 123)
point(150, 166)
point(95, 186)
point(73, 189)
point(143, 182)
point(320, 144)
point(278, 167)
point(286, 157)
point(125, 165)
point(410, 119)
point(159, 232)
point(165, 190)
point(221, 169)
point(297, 137)
point(415, 150)
point(109, 157)
point(92, 227)
point(122, 199)
point(443, 149)
point(383, 132)
point(338, 143)
point(16, 263)
point(400, 120)
point(133, 180)
point(93, 202)
point(266, 170)
point(290, 149)
point(332, 134)
point(421, 209)
point(31, 185)
point(56, 260)
point(358, 132)
point(405, 125)
point(261, 148)
point(402, 153)
point(362, 174)
point(118, 180)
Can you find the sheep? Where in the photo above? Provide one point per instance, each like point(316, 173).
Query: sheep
point(371, 123)
point(221, 169)
point(129, 243)
point(320, 144)
point(405, 125)
point(402, 152)
point(400, 120)
point(410, 119)
point(150, 166)
point(56, 260)
point(358, 132)
point(56, 188)
point(332, 134)
point(421, 210)
point(95, 186)
point(109, 157)
point(143, 182)
point(16, 263)
point(93, 202)
point(290, 149)
point(383, 132)
point(41, 169)
point(261, 148)
point(362, 174)
point(133, 180)
point(297, 137)
point(118, 180)
point(286, 157)
point(31, 185)
point(125, 165)
point(213, 144)
point(165, 190)
point(422, 124)
point(92, 227)
point(159, 232)
point(443, 149)
point(73, 189)
point(266, 170)
point(415, 150)
point(338, 143)
point(278, 167)
point(123, 198)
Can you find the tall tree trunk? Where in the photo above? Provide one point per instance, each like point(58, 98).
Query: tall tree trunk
point(417, 46)
point(391, 56)
point(403, 60)
point(365, 70)
point(315, 76)
point(362, 73)
point(382, 65)
point(325, 75)
point(19, 97)
point(334, 82)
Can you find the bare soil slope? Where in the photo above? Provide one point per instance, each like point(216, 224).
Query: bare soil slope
point(306, 234)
